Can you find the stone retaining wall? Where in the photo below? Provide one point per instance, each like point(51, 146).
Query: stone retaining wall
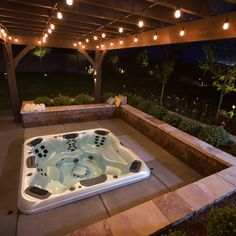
point(202, 157)
point(68, 114)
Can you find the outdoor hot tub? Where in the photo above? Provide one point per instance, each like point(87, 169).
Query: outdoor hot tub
point(63, 168)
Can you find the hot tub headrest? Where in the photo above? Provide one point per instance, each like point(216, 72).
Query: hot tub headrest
point(69, 136)
point(35, 142)
point(101, 132)
point(36, 192)
point(135, 166)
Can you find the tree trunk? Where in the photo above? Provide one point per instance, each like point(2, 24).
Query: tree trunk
point(162, 93)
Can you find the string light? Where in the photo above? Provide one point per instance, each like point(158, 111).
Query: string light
point(45, 35)
point(83, 47)
point(121, 30)
point(75, 44)
point(103, 35)
point(155, 37)
point(69, 2)
point(16, 40)
point(140, 23)
point(135, 39)
point(182, 32)
point(49, 31)
point(226, 24)
point(97, 47)
point(52, 26)
point(39, 42)
point(5, 34)
point(2, 31)
point(87, 40)
point(111, 43)
point(80, 43)
point(10, 38)
point(95, 37)
point(121, 41)
point(44, 40)
point(102, 45)
point(177, 12)
point(59, 15)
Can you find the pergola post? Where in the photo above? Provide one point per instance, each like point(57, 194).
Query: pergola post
point(11, 63)
point(97, 66)
point(11, 77)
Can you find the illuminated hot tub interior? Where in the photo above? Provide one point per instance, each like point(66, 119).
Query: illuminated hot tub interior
point(63, 168)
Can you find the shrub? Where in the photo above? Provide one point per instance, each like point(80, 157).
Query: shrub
point(233, 149)
point(145, 105)
point(190, 126)
point(174, 233)
point(214, 135)
point(44, 100)
point(135, 100)
point(83, 99)
point(222, 222)
point(61, 101)
point(157, 111)
point(105, 96)
point(173, 119)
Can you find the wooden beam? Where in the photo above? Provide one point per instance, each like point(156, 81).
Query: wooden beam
point(209, 28)
point(199, 8)
point(11, 78)
point(87, 56)
point(23, 52)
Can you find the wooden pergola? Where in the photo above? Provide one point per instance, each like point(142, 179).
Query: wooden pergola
point(85, 23)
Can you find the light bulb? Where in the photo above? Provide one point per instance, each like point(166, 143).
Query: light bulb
point(4, 34)
point(59, 15)
point(177, 13)
point(69, 2)
point(103, 35)
point(155, 37)
point(83, 47)
point(2, 31)
point(102, 45)
point(226, 24)
point(87, 40)
point(16, 40)
point(140, 23)
point(46, 35)
point(52, 26)
point(80, 43)
point(49, 31)
point(182, 32)
point(75, 44)
point(136, 39)
point(111, 43)
point(10, 38)
point(121, 42)
point(97, 47)
point(39, 42)
point(95, 37)
point(121, 30)
point(44, 40)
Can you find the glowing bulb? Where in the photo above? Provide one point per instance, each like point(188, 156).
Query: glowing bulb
point(49, 31)
point(103, 35)
point(136, 39)
point(39, 42)
point(4, 34)
point(111, 43)
point(177, 13)
point(59, 15)
point(75, 44)
point(46, 35)
point(83, 47)
point(121, 30)
point(2, 31)
point(95, 37)
point(121, 42)
point(87, 40)
point(182, 32)
point(102, 45)
point(44, 40)
point(16, 40)
point(10, 38)
point(52, 26)
point(140, 23)
point(69, 2)
point(97, 47)
point(155, 37)
point(80, 43)
point(226, 24)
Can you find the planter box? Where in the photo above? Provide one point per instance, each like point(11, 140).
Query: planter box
point(67, 114)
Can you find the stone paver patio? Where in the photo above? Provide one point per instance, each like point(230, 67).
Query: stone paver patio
point(168, 173)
